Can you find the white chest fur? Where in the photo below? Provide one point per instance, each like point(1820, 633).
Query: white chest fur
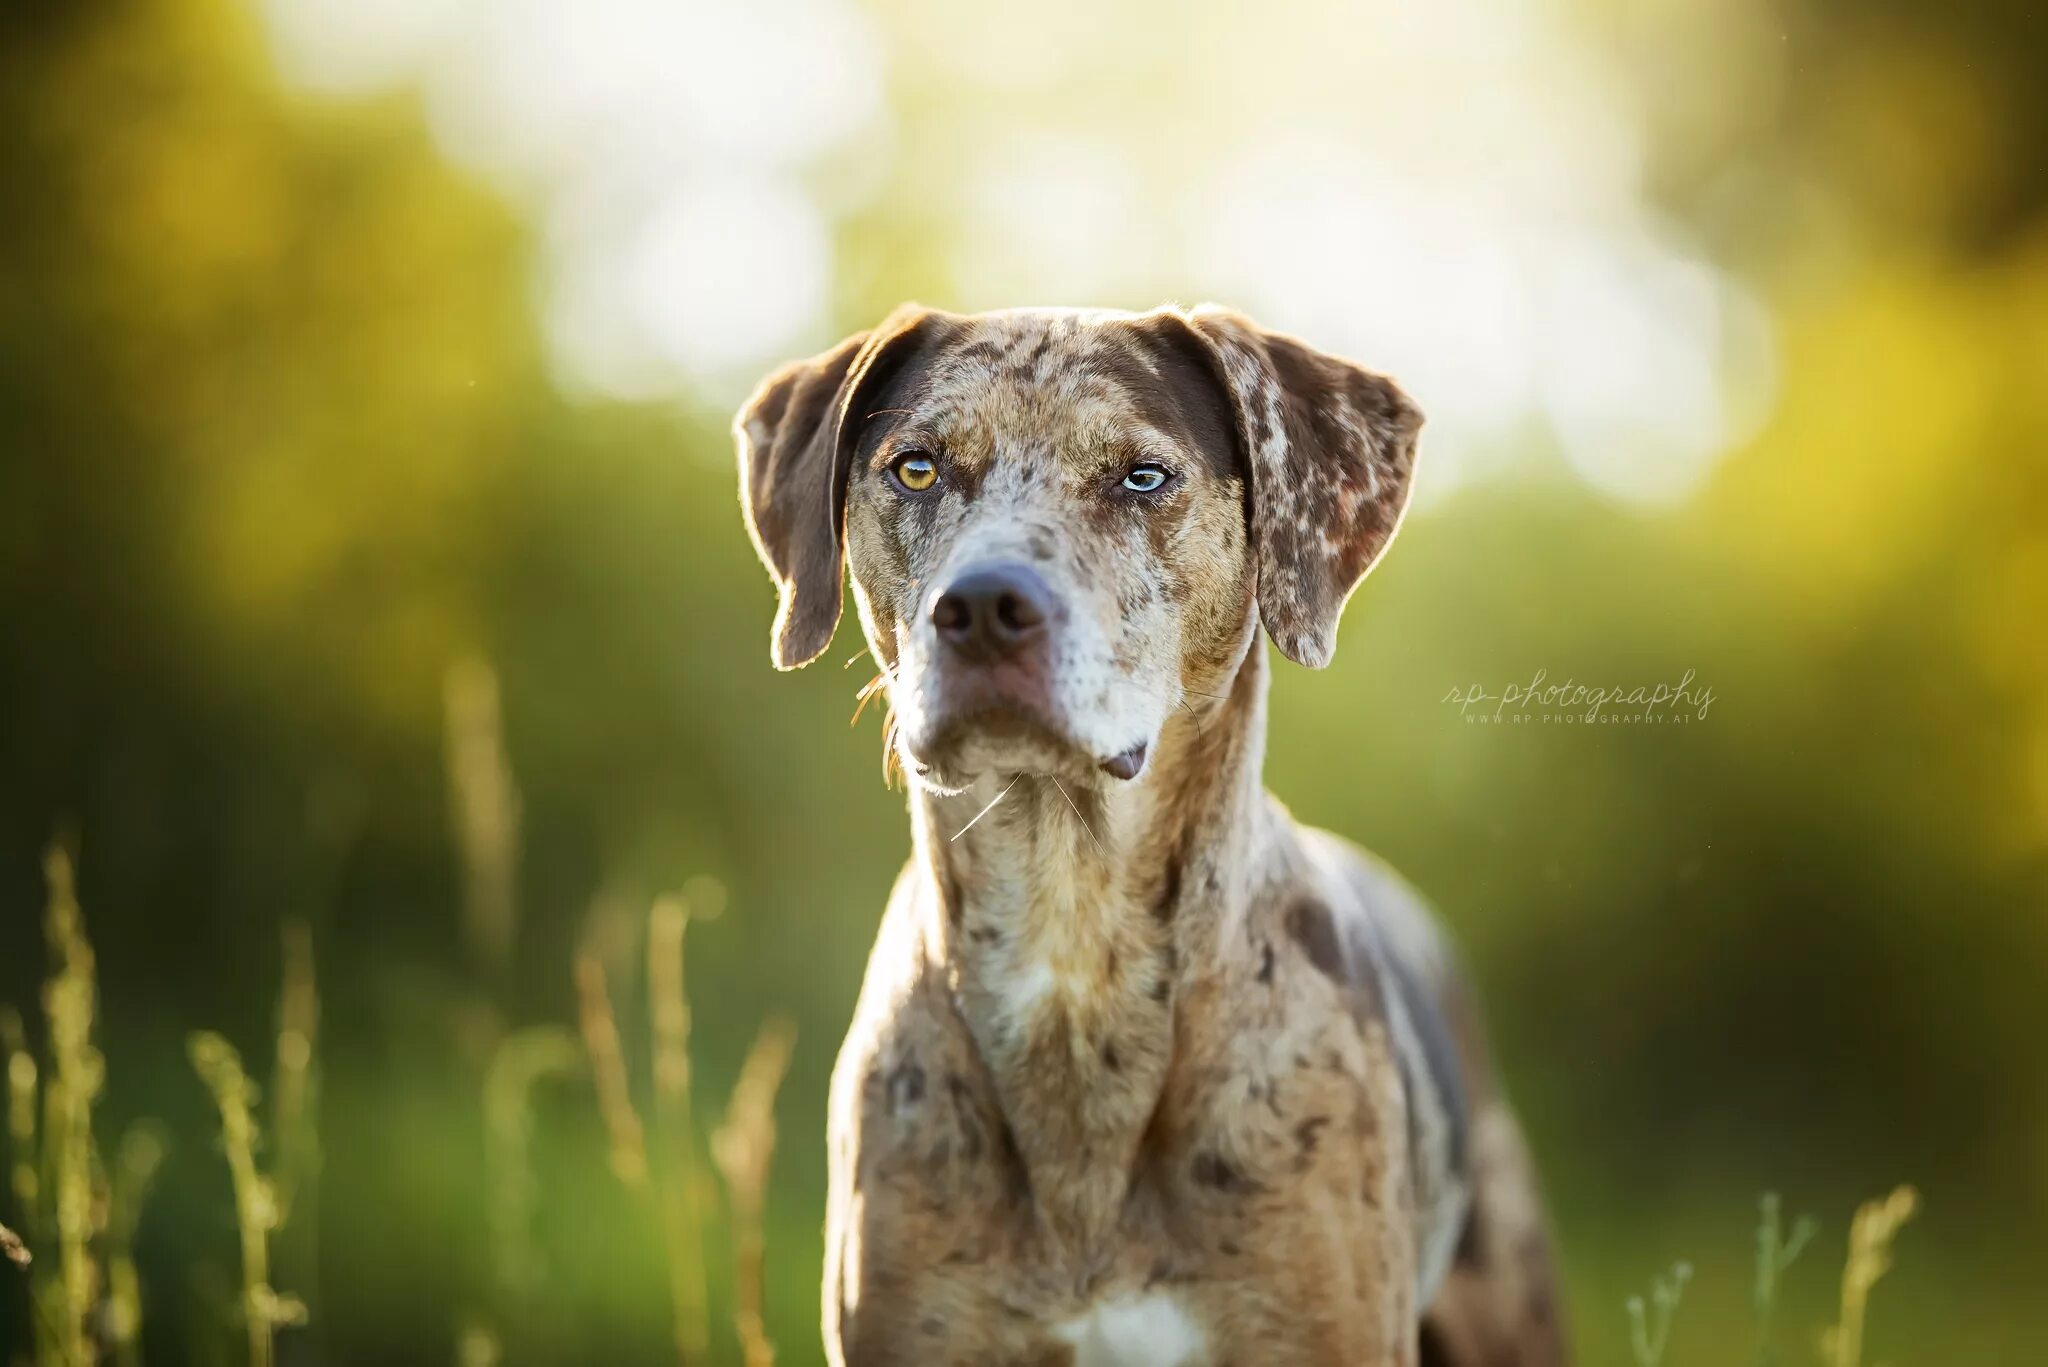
point(1142, 1331)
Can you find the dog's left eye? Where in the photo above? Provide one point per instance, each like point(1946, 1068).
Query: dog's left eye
point(914, 471)
point(1148, 478)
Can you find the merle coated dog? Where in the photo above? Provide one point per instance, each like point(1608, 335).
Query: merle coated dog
point(1144, 1072)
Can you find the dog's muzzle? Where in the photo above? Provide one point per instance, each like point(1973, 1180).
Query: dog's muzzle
point(994, 614)
point(996, 628)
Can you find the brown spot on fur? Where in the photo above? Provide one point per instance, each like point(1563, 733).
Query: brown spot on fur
point(1471, 1250)
point(1059, 1355)
point(906, 1087)
point(949, 889)
point(1308, 920)
point(1025, 370)
point(1432, 1350)
point(1210, 1170)
point(1181, 384)
point(1169, 891)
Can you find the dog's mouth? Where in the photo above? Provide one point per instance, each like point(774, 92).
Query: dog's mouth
point(989, 733)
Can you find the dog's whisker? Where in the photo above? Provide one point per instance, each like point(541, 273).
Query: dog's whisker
point(892, 758)
point(1077, 815)
point(867, 693)
point(868, 690)
point(986, 810)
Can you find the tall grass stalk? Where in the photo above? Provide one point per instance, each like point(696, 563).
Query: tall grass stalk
point(295, 1114)
point(521, 1062)
point(256, 1210)
point(136, 1161)
point(681, 1176)
point(295, 1078)
point(76, 1077)
point(23, 1182)
point(1775, 1254)
point(477, 1345)
point(485, 805)
point(1650, 1325)
point(744, 1147)
point(1871, 1235)
point(600, 1027)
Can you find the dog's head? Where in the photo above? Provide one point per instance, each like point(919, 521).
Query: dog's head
point(1059, 522)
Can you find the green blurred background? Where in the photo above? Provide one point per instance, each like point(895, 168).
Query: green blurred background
point(356, 355)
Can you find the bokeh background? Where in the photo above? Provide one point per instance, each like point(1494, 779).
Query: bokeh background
point(365, 371)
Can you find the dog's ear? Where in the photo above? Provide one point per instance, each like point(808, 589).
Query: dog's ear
point(1331, 449)
point(796, 437)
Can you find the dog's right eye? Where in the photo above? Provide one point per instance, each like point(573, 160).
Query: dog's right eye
point(1149, 477)
point(914, 471)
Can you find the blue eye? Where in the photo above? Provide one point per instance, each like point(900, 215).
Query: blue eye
point(1147, 478)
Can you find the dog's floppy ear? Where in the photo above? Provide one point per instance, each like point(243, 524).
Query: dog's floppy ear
point(1331, 447)
point(796, 437)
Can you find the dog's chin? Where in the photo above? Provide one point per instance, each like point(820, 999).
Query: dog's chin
point(1008, 739)
point(959, 749)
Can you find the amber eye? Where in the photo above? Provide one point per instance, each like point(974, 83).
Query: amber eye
point(914, 471)
point(1148, 478)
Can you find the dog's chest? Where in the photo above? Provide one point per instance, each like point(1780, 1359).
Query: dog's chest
point(1250, 1228)
point(1136, 1331)
point(1019, 1178)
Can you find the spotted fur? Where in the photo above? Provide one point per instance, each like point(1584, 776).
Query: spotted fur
point(1142, 1071)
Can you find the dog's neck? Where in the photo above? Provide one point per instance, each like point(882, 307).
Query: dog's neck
point(1070, 918)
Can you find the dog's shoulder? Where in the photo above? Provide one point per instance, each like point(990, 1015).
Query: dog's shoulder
point(1362, 922)
point(926, 1181)
point(1367, 926)
point(910, 1094)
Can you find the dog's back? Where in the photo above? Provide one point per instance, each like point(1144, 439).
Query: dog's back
point(1487, 1270)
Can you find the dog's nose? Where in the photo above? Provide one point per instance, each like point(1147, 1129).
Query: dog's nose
point(987, 614)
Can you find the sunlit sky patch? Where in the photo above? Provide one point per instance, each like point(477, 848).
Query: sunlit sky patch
point(1450, 192)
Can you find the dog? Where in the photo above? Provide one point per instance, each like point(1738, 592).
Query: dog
point(1143, 1072)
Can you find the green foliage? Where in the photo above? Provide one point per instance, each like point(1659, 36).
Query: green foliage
point(91, 1305)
